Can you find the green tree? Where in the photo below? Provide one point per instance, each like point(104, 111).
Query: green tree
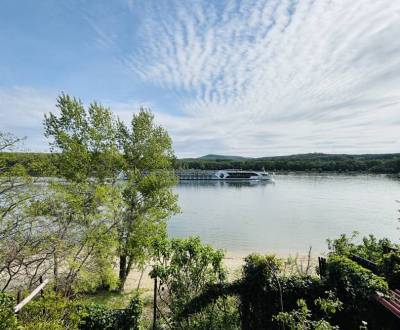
point(94, 148)
point(147, 197)
point(20, 242)
point(86, 140)
point(185, 268)
point(81, 235)
point(8, 321)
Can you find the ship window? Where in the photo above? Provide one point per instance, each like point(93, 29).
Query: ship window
point(240, 175)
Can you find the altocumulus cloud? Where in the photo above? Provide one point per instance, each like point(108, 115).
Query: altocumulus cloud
point(277, 77)
point(258, 78)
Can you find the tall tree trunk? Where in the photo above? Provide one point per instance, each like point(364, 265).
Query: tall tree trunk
point(125, 266)
point(55, 271)
point(122, 272)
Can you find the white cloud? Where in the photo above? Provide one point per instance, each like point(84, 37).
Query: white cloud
point(22, 112)
point(263, 75)
point(254, 77)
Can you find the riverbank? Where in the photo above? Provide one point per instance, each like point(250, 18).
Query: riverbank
point(233, 262)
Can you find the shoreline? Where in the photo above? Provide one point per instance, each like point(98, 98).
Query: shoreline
point(233, 262)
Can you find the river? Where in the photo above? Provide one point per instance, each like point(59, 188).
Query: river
point(288, 216)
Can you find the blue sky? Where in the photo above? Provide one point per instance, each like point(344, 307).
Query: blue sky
point(244, 77)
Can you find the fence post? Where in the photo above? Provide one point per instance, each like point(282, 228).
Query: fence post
point(155, 304)
point(31, 296)
point(322, 267)
point(41, 281)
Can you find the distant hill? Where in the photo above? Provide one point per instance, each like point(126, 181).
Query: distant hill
point(311, 162)
point(309, 156)
point(322, 156)
point(222, 157)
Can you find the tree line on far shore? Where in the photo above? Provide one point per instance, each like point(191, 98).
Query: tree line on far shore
point(315, 162)
point(41, 164)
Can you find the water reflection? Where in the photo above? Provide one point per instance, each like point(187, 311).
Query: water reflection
point(296, 212)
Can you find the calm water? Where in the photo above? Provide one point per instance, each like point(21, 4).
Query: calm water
point(288, 216)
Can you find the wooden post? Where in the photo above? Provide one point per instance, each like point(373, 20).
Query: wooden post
point(31, 296)
point(322, 267)
point(155, 305)
point(41, 281)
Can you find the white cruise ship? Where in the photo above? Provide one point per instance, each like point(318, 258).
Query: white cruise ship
point(242, 175)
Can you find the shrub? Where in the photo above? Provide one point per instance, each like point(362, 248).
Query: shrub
point(302, 318)
point(266, 291)
point(185, 268)
point(390, 268)
point(353, 282)
point(354, 286)
point(7, 318)
point(56, 312)
point(370, 248)
point(100, 317)
point(52, 311)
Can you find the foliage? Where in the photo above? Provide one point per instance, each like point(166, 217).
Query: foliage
point(184, 268)
point(302, 318)
point(265, 290)
point(51, 311)
point(370, 247)
point(101, 317)
point(314, 162)
point(262, 291)
point(147, 198)
point(299, 301)
point(380, 163)
point(384, 253)
point(84, 210)
point(35, 164)
point(8, 320)
point(86, 138)
point(354, 286)
point(76, 235)
point(95, 148)
point(390, 268)
point(353, 282)
point(20, 242)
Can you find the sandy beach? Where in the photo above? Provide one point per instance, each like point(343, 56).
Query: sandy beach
point(233, 262)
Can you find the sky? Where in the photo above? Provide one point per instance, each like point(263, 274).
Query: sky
point(238, 77)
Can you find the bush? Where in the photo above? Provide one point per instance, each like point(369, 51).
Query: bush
point(100, 317)
point(354, 286)
point(302, 318)
point(52, 311)
point(185, 268)
point(390, 268)
point(353, 282)
point(382, 252)
point(265, 291)
point(56, 312)
point(370, 248)
point(7, 317)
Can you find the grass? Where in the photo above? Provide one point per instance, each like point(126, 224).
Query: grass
point(114, 300)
